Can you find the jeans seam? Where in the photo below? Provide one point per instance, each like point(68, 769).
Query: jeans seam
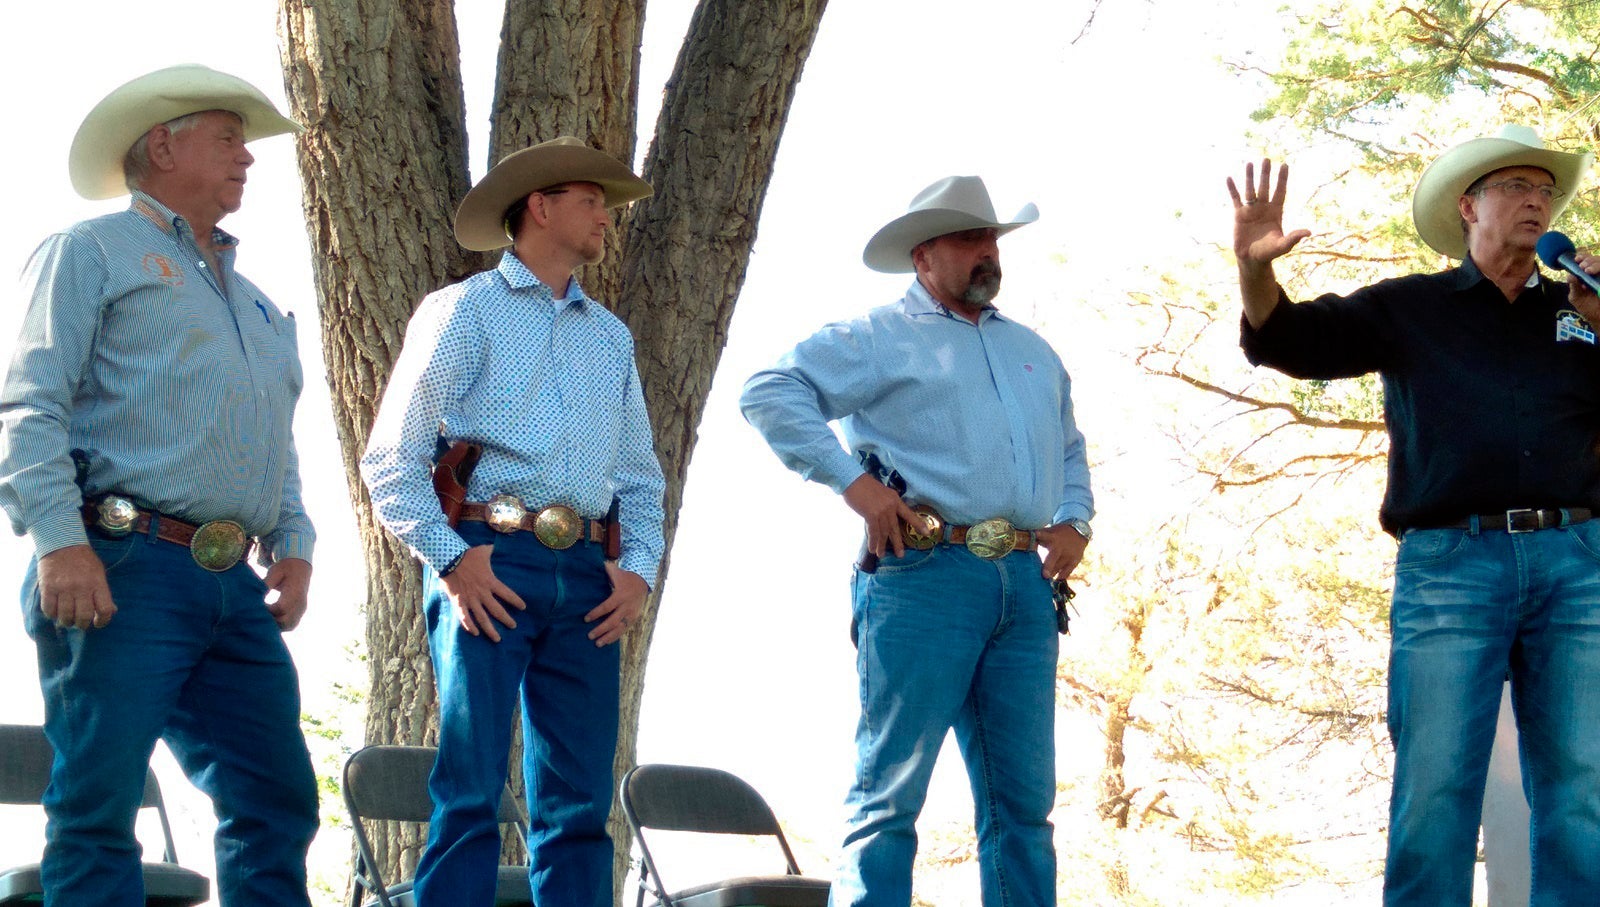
point(981, 736)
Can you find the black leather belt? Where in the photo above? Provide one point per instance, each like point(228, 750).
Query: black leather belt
point(1526, 520)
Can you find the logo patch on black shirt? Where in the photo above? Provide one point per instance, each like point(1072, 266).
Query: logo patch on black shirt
point(1571, 326)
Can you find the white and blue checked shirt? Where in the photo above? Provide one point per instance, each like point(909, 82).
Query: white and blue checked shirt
point(976, 418)
point(179, 389)
point(549, 388)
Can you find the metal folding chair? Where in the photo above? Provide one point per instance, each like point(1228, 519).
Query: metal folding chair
point(390, 784)
point(25, 758)
point(711, 801)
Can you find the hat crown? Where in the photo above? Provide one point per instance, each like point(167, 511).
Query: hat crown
point(1522, 135)
point(966, 194)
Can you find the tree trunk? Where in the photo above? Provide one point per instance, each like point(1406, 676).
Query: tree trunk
point(377, 84)
point(688, 247)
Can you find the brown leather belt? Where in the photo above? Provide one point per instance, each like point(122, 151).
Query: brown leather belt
point(556, 527)
point(1526, 520)
point(216, 546)
point(989, 539)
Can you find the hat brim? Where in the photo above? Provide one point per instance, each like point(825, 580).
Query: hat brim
point(480, 218)
point(1434, 204)
point(113, 125)
point(889, 250)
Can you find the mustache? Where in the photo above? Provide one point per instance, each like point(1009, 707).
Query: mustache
point(984, 269)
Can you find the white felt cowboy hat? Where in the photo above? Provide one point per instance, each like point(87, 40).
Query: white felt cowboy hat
point(111, 128)
point(1433, 205)
point(951, 205)
point(480, 221)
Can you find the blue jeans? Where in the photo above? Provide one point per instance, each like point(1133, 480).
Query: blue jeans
point(569, 689)
point(193, 658)
point(947, 640)
point(1468, 608)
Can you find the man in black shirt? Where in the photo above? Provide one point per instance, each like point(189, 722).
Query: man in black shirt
point(1491, 382)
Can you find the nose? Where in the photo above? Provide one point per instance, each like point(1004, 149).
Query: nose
point(245, 156)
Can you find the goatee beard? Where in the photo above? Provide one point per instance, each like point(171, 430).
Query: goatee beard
point(984, 285)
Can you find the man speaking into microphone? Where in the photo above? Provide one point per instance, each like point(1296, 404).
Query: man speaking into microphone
point(1491, 381)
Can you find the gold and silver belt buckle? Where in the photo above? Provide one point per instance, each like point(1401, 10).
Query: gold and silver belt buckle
point(505, 512)
point(115, 515)
point(558, 526)
point(992, 539)
point(218, 545)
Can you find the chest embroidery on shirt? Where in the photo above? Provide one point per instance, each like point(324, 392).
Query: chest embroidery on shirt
point(1571, 326)
point(163, 269)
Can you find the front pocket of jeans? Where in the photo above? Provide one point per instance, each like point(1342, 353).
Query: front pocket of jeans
point(912, 560)
point(1425, 548)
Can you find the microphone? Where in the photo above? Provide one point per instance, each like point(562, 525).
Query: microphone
point(1556, 251)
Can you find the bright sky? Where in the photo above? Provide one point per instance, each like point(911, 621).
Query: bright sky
point(1122, 140)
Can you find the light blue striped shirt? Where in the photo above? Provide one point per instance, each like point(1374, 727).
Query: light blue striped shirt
point(181, 393)
point(977, 418)
point(549, 388)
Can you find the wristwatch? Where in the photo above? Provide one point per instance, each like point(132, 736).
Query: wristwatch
point(1082, 527)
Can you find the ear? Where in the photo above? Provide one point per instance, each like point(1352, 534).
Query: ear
point(919, 257)
point(1468, 206)
point(161, 147)
point(538, 209)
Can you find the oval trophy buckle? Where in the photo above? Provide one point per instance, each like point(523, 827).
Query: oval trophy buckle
point(218, 545)
point(992, 539)
point(558, 527)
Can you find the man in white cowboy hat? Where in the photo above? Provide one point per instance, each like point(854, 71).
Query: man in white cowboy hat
point(1492, 399)
point(963, 458)
point(521, 598)
point(147, 447)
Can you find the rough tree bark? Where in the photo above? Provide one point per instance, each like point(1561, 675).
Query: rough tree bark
point(383, 165)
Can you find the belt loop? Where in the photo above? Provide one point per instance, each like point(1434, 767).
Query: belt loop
point(1473, 528)
point(1566, 518)
point(153, 534)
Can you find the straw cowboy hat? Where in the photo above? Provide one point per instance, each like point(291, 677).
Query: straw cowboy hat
point(951, 205)
point(1433, 206)
point(480, 221)
point(111, 128)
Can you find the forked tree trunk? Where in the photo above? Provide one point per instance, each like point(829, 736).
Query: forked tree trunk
point(383, 165)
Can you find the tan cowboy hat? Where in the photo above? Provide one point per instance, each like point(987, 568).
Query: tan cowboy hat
point(480, 221)
point(950, 205)
point(1433, 205)
point(111, 128)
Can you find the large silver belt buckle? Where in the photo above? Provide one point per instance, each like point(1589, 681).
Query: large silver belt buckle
point(115, 515)
point(558, 526)
point(925, 536)
point(992, 539)
point(218, 545)
point(505, 513)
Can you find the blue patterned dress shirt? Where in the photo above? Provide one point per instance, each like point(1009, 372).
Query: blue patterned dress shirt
point(180, 389)
point(548, 386)
point(975, 418)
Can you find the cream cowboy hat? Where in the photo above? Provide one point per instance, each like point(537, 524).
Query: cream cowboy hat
point(480, 221)
point(1433, 205)
point(111, 128)
point(950, 205)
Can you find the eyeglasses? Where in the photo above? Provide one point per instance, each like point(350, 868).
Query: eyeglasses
point(1519, 188)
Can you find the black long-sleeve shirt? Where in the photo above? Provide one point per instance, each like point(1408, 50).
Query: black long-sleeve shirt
point(1487, 409)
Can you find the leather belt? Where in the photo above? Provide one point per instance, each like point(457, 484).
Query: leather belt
point(988, 539)
point(1526, 520)
point(215, 546)
point(557, 526)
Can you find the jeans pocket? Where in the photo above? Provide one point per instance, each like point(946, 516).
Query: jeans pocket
point(911, 560)
point(1426, 548)
point(115, 553)
point(1587, 537)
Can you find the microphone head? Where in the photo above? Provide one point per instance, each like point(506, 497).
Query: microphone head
point(1552, 246)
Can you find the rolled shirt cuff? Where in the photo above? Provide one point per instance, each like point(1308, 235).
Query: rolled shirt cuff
point(58, 530)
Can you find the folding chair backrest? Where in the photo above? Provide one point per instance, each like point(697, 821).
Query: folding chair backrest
point(694, 799)
point(25, 757)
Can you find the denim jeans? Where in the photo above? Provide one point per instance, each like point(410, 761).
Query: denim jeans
point(1469, 607)
point(947, 640)
point(194, 658)
point(568, 688)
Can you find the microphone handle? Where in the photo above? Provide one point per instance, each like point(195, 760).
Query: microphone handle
point(1571, 264)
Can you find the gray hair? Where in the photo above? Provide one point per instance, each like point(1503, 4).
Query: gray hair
point(136, 163)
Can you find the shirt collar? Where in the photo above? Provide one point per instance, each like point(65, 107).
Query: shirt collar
point(1469, 275)
point(174, 224)
point(920, 302)
point(518, 277)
